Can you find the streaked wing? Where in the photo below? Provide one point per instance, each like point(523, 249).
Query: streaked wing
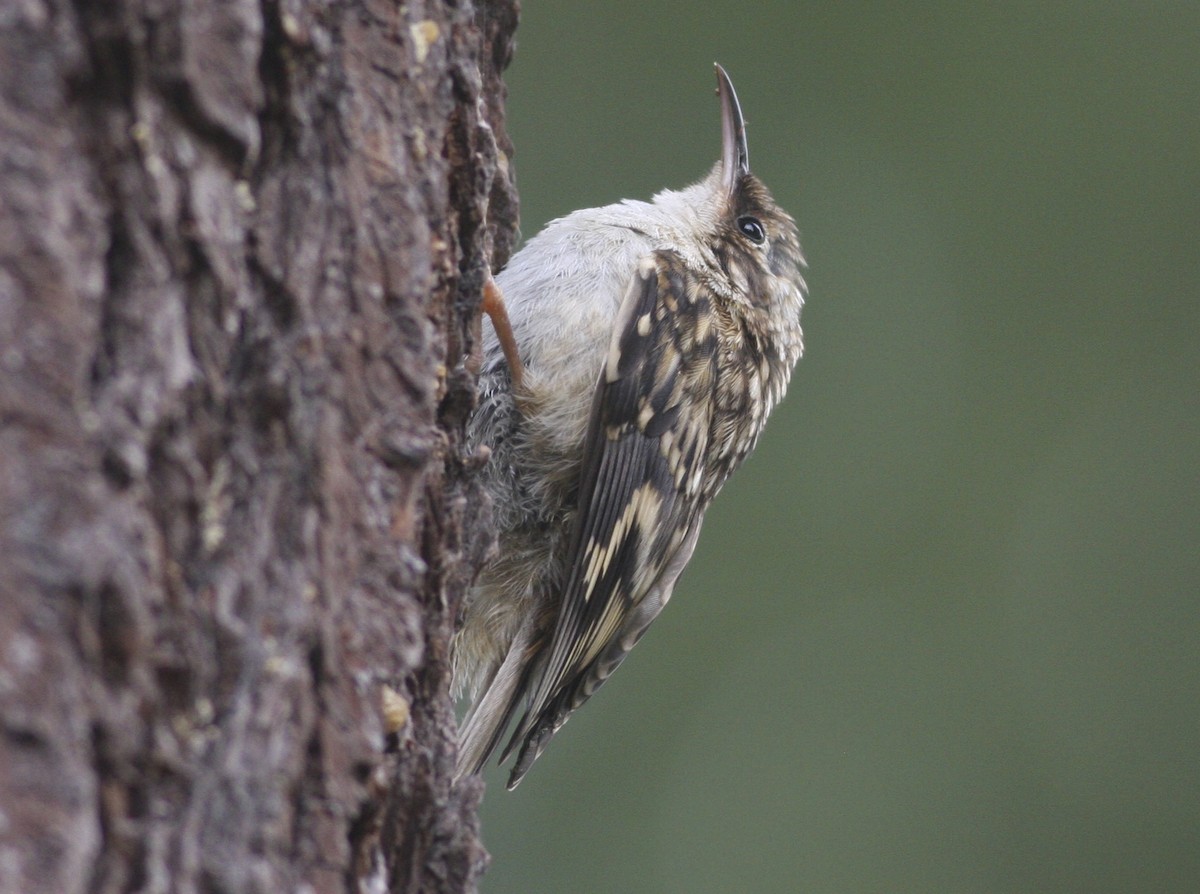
point(641, 486)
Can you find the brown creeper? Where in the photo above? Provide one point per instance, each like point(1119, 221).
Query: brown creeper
point(653, 338)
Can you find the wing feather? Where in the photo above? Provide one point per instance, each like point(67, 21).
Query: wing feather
point(639, 511)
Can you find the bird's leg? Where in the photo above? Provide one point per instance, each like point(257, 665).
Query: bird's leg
point(493, 306)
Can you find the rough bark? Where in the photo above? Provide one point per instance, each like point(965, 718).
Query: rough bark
point(241, 247)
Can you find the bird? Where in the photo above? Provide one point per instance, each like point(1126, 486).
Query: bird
point(635, 353)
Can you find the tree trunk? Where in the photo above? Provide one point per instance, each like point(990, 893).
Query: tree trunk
point(241, 249)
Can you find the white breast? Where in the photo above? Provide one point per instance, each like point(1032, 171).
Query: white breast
point(562, 291)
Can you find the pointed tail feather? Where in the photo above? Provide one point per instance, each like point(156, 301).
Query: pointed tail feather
point(490, 715)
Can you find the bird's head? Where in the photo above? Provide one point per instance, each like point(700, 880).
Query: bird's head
point(746, 245)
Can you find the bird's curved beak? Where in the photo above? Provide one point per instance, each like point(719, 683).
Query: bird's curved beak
point(735, 156)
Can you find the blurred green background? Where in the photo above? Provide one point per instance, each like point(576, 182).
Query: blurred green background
point(942, 633)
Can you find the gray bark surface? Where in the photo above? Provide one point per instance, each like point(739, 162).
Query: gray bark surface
point(241, 248)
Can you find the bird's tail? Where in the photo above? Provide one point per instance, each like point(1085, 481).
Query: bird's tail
point(485, 723)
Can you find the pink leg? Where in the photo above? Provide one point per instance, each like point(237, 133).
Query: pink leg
point(493, 306)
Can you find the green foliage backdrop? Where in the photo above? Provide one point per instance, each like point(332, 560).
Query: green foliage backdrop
point(942, 634)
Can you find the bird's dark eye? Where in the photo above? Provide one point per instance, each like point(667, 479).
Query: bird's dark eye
point(752, 229)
